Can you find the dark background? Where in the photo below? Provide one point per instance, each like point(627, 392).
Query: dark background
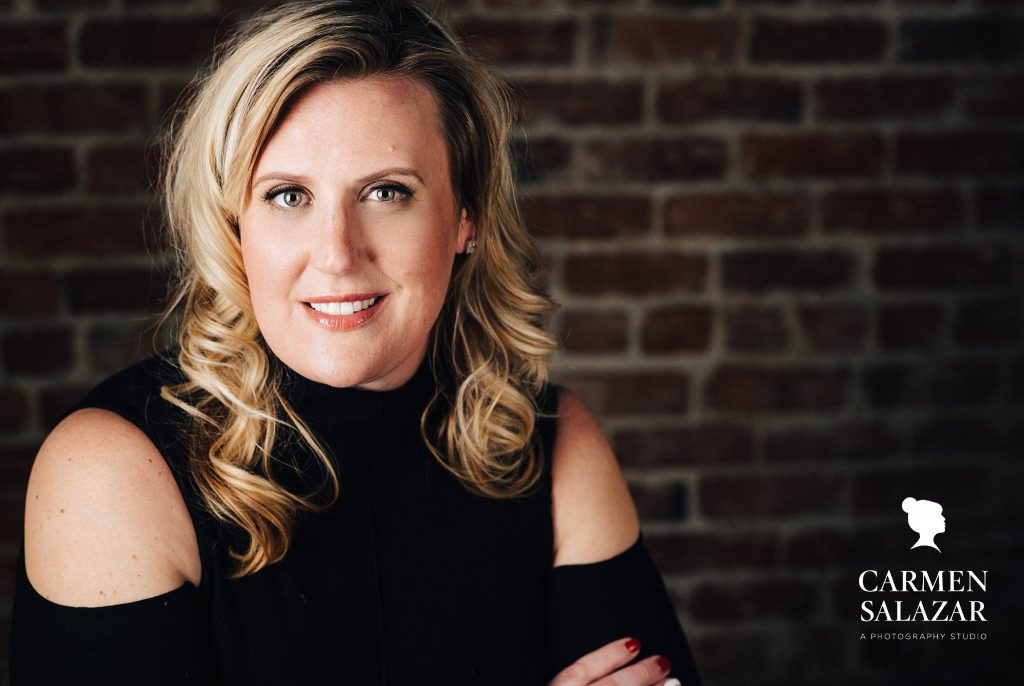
point(786, 235)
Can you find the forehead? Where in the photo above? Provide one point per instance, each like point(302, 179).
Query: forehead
point(371, 120)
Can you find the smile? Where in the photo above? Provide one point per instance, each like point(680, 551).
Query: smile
point(349, 307)
point(344, 315)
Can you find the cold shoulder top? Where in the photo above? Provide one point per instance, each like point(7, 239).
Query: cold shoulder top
point(408, 578)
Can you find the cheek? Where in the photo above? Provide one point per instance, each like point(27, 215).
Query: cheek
point(265, 268)
point(429, 267)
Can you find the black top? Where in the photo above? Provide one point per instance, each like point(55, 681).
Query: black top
point(407, 578)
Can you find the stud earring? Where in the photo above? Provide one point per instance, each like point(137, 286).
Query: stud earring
point(470, 245)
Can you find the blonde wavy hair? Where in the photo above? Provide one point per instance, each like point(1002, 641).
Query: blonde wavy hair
point(488, 350)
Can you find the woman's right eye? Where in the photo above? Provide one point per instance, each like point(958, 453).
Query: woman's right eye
point(284, 198)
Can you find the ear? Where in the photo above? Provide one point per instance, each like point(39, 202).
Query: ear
point(467, 230)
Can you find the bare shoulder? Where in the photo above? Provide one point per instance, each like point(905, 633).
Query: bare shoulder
point(593, 512)
point(105, 522)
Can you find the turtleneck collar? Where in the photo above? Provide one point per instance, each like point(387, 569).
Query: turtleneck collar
point(323, 403)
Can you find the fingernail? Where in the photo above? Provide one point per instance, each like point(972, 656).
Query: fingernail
point(632, 645)
point(672, 682)
point(664, 663)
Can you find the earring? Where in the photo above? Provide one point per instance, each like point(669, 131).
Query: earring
point(470, 245)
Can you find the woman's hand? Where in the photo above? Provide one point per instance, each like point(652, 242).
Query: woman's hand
point(600, 668)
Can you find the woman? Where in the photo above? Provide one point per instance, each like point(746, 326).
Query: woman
point(351, 467)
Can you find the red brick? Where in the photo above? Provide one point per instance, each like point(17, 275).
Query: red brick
point(51, 5)
point(1017, 379)
point(1000, 206)
point(717, 655)
point(961, 38)
point(54, 401)
point(75, 231)
point(753, 601)
point(937, 383)
point(883, 97)
point(638, 39)
point(32, 169)
point(677, 328)
point(110, 348)
point(810, 155)
point(635, 273)
point(834, 328)
point(775, 495)
point(38, 351)
point(787, 269)
point(33, 47)
point(541, 160)
point(121, 169)
point(910, 326)
point(12, 518)
point(115, 290)
point(587, 216)
point(170, 94)
point(697, 551)
point(835, 442)
point(595, 331)
point(709, 97)
point(755, 329)
point(15, 413)
point(665, 501)
point(884, 491)
point(587, 101)
point(967, 436)
point(830, 548)
point(639, 392)
point(72, 108)
point(16, 462)
point(987, 322)
point(146, 42)
point(995, 97)
point(635, 160)
point(712, 443)
point(759, 389)
point(737, 215)
point(886, 211)
point(942, 267)
point(28, 293)
point(955, 153)
point(836, 39)
point(520, 41)
point(242, 6)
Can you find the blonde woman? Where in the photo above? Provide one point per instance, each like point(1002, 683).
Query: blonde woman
point(351, 468)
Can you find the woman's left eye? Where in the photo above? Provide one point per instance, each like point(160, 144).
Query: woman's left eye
point(390, 192)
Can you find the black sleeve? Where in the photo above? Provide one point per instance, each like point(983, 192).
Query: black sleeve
point(158, 640)
point(590, 605)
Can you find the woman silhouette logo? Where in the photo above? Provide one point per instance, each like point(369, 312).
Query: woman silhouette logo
point(925, 518)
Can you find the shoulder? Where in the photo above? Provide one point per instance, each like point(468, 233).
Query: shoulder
point(592, 510)
point(105, 521)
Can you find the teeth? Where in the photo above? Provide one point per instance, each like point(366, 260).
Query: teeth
point(349, 307)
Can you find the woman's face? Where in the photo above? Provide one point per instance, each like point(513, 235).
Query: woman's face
point(351, 201)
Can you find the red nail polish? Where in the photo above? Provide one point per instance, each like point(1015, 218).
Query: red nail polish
point(632, 645)
point(664, 663)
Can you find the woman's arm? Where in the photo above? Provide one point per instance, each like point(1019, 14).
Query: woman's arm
point(105, 522)
point(604, 584)
point(105, 589)
point(593, 513)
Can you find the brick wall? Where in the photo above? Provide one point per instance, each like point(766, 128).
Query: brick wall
point(787, 240)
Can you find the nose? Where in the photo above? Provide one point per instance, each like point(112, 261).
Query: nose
point(339, 242)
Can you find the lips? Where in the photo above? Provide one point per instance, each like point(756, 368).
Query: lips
point(343, 313)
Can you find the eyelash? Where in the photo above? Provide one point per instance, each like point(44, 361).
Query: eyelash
point(405, 190)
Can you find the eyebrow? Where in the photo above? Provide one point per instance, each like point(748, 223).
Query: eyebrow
point(299, 178)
